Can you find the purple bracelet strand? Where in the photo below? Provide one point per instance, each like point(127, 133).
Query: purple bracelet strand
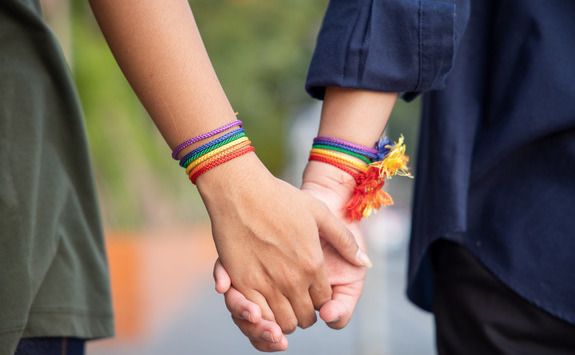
point(179, 148)
point(349, 144)
point(347, 148)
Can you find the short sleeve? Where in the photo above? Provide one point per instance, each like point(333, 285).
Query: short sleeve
point(404, 46)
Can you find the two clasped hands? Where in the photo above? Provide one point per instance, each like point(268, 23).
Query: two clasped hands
point(293, 255)
point(285, 253)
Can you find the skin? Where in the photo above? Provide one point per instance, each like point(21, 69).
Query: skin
point(267, 232)
point(345, 114)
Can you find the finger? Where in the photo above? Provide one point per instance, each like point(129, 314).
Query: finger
point(262, 331)
point(283, 312)
point(320, 291)
point(259, 300)
point(304, 310)
point(338, 312)
point(336, 233)
point(221, 277)
point(241, 308)
point(270, 347)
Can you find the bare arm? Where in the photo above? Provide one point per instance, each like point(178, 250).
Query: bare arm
point(159, 49)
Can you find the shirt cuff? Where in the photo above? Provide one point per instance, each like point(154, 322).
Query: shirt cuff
point(404, 46)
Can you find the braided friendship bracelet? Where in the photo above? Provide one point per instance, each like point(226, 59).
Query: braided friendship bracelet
point(189, 142)
point(369, 167)
point(347, 160)
point(188, 157)
point(220, 161)
point(345, 151)
point(216, 152)
point(341, 166)
point(348, 149)
point(346, 143)
point(212, 148)
point(208, 154)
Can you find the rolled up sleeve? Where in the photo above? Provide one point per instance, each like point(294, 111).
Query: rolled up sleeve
point(404, 46)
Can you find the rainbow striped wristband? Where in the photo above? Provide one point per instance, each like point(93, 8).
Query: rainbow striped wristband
point(368, 166)
point(216, 152)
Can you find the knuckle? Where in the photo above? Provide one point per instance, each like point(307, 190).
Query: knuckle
point(288, 326)
point(291, 280)
point(312, 265)
point(324, 296)
point(308, 322)
point(347, 239)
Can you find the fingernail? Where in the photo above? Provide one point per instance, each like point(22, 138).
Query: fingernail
point(363, 258)
point(246, 316)
point(269, 337)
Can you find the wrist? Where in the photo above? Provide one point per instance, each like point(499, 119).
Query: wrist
point(223, 179)
point(328, 178)
point(363, 170)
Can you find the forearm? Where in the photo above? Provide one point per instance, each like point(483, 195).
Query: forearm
point(158, 46)
point(357, 116)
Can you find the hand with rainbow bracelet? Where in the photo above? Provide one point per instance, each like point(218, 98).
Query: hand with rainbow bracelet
point(345, 279)
point(344, 176)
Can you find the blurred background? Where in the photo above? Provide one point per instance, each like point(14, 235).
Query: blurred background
point(157, 230)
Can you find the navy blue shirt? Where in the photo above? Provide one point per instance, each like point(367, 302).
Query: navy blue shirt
point(496, 163)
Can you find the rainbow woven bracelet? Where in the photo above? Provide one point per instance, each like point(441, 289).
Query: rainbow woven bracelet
point(212, 144)
point(368, 166)
point(216, 152)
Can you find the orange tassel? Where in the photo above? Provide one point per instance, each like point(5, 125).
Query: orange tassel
point(368, 195)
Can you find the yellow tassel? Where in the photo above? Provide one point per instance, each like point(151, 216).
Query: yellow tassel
point(395, 162)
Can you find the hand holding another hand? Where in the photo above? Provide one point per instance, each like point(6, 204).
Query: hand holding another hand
point(267, 234)
point(334, 188)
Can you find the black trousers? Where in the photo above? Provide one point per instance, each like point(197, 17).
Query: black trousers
point(51, 346)
point(475, 313)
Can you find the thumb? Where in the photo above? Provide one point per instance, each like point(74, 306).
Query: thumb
point(336, 233)
point(222, 278)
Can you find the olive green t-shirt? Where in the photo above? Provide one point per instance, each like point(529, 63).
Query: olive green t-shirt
point(53, 269)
